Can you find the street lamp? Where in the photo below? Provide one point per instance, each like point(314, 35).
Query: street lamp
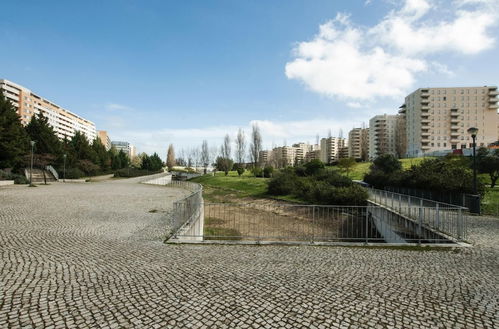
point(473, 132)
point(64, 172)
point(31, 170)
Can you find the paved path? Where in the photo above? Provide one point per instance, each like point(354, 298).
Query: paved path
point(91, 256)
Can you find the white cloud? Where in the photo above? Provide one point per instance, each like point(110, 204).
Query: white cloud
point(118, 107)
point(352, 62)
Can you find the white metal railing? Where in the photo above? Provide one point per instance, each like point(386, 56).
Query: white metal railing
point(441, 217)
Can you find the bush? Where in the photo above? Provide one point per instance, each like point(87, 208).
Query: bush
point(73, 173)
point(313, 167)
point(267, 171)
point(240, 170)
point(18, 179)
point(257, 171)
point(282, 184)
point(133, 172)
point(322, 188)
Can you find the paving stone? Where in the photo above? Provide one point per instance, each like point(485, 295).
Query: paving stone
point(92, 255)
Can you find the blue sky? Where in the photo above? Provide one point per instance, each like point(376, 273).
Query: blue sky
point(160, 72)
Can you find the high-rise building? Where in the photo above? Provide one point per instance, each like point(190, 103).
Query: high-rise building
point(104, 138)
point(27, 104)
point(358, 143)
point(330, 148)
point(126, 147)
point(437, 119)
point(382, 135)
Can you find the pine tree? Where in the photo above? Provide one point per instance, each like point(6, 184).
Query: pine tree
point(170, 158)
point(47, 142)
point(14, 142)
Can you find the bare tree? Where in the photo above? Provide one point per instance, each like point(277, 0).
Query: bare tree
point(205, 156)
point(240, 147)
point(256, 145)
point(225, 154)
point(170, 157)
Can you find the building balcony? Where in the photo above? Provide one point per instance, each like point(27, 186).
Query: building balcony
point(493, 93)
point(493, 106)
point(425, 108)
point(425, 147)
point(493, 100)
point(425, 101)
point(425, 120)
point(454, 121)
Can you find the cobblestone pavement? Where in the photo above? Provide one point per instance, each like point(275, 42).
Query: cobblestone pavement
point(91, 256)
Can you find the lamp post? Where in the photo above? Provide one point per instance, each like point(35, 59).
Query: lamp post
point(473, 132)
point(64, 172)
point(31, 169)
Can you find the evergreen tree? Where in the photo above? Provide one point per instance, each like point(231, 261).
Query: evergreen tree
point(14, 142)
point(102, 156)
point(47, 142)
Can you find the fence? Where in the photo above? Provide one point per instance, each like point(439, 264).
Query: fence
point(472, 202)
point(305, 223)
point(187, 220)
point(436, 216)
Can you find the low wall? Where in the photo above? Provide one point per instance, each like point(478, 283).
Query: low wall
point(157, 179)
point(6, 182)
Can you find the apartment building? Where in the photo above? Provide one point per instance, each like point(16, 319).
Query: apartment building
point(437, 119)
point(265, 156)
point(104, 138)
point(330, 149)
point(64, 122)
point(358, 143)
point(382, 135)
point(126, 147)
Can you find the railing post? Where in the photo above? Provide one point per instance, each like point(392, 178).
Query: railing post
point(437, 215)
point(420, 225)
point(400, 203)
point(367, 225)
point(460, 224)
point(409, 205)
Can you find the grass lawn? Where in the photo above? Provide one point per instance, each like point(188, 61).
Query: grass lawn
point(361, 168)
point(490, 202)
point(222, 188)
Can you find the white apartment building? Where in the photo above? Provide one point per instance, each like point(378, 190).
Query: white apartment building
point(382, 135)
point(330, 149)
point(27, 104)
point(358, 143)
point(437, 119)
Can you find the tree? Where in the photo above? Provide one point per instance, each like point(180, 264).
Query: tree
point(225, 152)
point(103, 156)
point(488, 164)
point(224, 164)
point(387, 163)
point(240, 147)
point(14, 142)
point(39, 130)
point(205, 156)
point(346, 164)
point(170, 157)
point(256, 145)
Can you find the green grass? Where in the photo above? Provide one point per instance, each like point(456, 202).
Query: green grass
point(225, 188)
point(361, 168)
point(218, 233)
point(490, 202)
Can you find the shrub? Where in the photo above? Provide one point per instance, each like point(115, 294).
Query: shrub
point(74, 173)
point(257, 171)
point(282, 184)
point(313, 167)
point(133, 172)
point(240, 170)
point(17, 178)
point(267, 171)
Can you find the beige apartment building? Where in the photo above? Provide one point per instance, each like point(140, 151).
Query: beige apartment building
point(437, 119)
point(382, 135)
point(126, 147)
point(64, 122)
point(358, 143)
point(104, 138)
point(330, 149)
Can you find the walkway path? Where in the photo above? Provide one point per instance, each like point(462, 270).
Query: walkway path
point(91, 256)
